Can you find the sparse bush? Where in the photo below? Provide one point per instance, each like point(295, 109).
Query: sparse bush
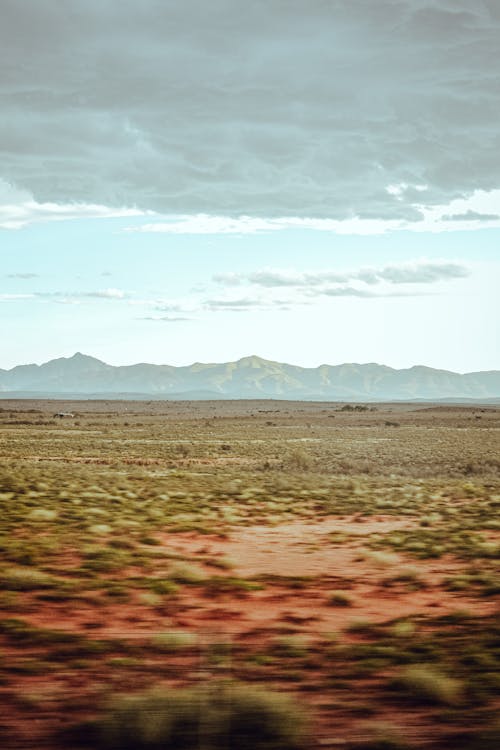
point(361, 625)
point(212, 716)
point(185, 573)
point(183, 450)
point(174, 640)
point(224, 563)
point(224, 584)
point(290, 646)
point(340, 599)
point(150, 599)
point(25, 579)
point(42, 514)
point(408, 575)
point(382, 559)
point(163, 586)
point(403, 629)
point(300, 460)
point(422, 682)
point(100, 529)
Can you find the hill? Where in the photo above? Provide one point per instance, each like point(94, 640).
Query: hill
point(249, 377)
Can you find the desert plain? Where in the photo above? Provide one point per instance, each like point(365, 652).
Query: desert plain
point(249, 574)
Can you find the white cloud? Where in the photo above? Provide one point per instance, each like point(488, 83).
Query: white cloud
point(165, 318)
point(14, 297)
point(206, 224)
point(416, 272)
point(242, 304)
point(398, 191)
point(480, 209)
point(106, 294)
point(284, 289)
point(72, 298)
point(23, 275)
point(19, 209)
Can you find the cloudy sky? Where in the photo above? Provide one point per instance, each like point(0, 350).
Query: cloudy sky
point(307, 180)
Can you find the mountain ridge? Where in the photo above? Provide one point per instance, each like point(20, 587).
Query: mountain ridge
point(248, 377)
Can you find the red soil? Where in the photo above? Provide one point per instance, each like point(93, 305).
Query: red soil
point(299, 564)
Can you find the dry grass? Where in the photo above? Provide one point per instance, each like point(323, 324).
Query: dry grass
point(96, 593)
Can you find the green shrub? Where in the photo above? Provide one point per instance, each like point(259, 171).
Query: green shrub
point(224, 563)
point(291, 646)
point(340, 599)
point(425, 683)
point(220, 584)
point(299, 460)
point(211, 716)
point(382, 559)
point(361, 625)
point(403, 629)
point(100, 529)
point(163, 586)
point(42, 514)
point(25, 579)
point(174, 640)
point(186, 573)
point(150, 599)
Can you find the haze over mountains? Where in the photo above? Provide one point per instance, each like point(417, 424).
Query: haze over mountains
point(250, 377)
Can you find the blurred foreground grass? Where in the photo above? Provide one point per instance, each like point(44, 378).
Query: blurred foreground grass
point(84, 504)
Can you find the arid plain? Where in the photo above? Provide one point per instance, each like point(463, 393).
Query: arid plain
point(327, 573)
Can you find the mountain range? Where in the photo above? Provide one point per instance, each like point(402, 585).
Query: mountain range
point(82, 376)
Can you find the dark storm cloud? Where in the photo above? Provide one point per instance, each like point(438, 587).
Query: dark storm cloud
point(268, 108)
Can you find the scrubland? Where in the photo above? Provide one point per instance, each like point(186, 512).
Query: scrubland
point(249, 574)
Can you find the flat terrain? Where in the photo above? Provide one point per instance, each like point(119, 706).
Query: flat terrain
point(344, 555)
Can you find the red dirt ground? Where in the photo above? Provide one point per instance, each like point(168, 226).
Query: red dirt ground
point(300, 563)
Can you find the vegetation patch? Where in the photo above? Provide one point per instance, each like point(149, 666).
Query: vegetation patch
point(213, 715)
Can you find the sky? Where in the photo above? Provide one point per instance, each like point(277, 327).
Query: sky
point(311, 181)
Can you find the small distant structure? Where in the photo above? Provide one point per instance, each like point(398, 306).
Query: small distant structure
point(63, 414)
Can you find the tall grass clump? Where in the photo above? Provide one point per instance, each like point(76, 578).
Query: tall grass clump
point(25, 579)
point(299, 460)
point(208, 716)
point(174, 640)
point(424, 683)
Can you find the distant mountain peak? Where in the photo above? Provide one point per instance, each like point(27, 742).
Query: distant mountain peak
point(78, 362)
point(249, 377)
point(253, 361)
point(79, 357)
